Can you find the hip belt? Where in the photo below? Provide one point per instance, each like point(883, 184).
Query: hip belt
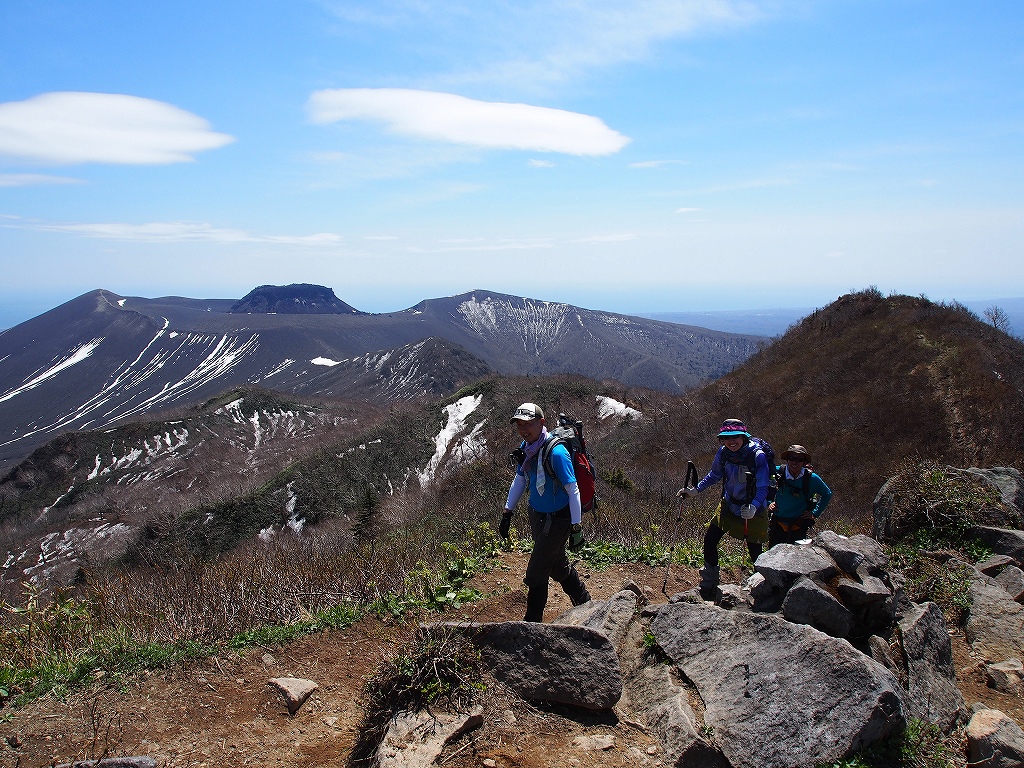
point(549, 516)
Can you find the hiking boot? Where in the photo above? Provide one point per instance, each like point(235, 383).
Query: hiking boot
point(709, 576)
point(575, 588)
point(580, 597)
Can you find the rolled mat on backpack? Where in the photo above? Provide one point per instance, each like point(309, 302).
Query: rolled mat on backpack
point(757, 526)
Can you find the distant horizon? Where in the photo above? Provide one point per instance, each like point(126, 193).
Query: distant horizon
point(22, 309)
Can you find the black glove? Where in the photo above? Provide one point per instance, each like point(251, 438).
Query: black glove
point(505, 524)
point(576, 538)
point(809, 518)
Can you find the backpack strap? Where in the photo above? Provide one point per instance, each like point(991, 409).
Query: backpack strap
point(805, 486)
point(545, 454)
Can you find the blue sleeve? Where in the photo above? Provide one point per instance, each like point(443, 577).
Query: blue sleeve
point(561, 464)
point(763, 477)
point(818, 486)
point(715, 475)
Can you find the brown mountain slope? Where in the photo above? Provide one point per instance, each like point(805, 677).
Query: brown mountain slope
point(867, 383)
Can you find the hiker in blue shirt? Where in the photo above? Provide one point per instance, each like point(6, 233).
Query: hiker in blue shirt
point(801, 498)
point(743, 510)
point(555, 513)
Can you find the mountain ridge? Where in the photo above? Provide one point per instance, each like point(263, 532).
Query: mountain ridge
point(102, 358)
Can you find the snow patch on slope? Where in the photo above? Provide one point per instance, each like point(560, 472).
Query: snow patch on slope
point(457, 414)
point(537, 323)
point(608, 407)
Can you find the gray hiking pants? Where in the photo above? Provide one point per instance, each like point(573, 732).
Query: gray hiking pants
point(549, 560)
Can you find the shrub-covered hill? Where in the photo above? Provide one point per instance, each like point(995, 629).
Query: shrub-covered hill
point(869, 381)
point(868, 384)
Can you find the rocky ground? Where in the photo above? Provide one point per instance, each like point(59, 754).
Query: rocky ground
point(223, 712)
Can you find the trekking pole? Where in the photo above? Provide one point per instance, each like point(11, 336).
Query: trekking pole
point(689, 482)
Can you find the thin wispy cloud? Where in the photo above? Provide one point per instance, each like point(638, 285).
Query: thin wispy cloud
point(34, 180)
point(375, 163)
point(597, 239)
point(780, 181)
point(447, 117)
point(540, 164)
point(458, 245)
point(656, 163)
point(176, 232)
point(687, 210)
point(75, 127)
point(539, 42)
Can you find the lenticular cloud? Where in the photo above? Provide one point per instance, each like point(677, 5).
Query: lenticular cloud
point(74, 127)
point(456, 119)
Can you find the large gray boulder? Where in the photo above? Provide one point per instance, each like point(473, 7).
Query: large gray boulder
point(783, 564)
point(547, 662)
point(995, 564)
point(857, 594)
point(611, 617)
point(652, 696)
point(995, 622)
point(1006, 676)
point(933, 695)
point(994, 740)
point(852, 553)
point(1002, 541)
point(808, 603)
point(1007, 480)
point(1011, 578)
point(777, 694)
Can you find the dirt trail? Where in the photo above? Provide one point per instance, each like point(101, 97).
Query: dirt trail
point(222, 712)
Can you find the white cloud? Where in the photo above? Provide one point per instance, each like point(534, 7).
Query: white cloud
point(75, 127)
point(540, 164)
point(687, 210)
point(179, 232)
point(33, 179)
point(450, 118)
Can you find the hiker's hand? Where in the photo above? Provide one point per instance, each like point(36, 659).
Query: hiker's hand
point(505, 524)
point(771, 507)
point(576, 538)
point(688, 492)
point(747, 511)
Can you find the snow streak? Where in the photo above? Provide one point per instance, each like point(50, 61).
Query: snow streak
point(77, 355)
point(457, 414)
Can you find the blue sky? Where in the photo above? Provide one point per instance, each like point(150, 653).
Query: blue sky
point(630, 156)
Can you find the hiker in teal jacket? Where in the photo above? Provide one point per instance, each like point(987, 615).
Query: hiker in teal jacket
point(801, 498)
point(555, 513)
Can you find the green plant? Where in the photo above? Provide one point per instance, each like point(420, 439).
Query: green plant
point(921, 745)
point(617, 478)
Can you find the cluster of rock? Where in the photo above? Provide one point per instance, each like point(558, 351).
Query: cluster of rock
point(818, 655)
